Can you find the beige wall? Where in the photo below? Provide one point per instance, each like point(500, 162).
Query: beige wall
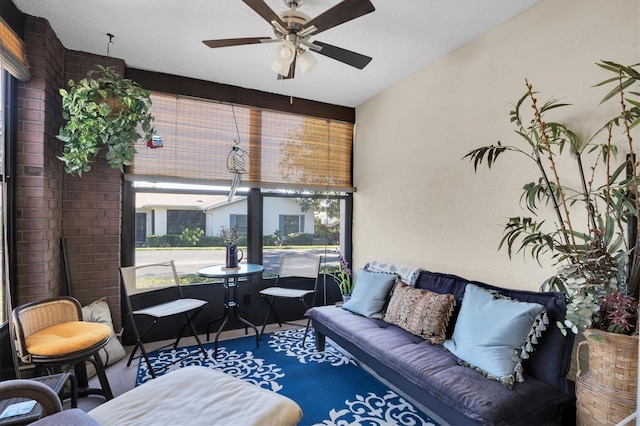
point(417, 201)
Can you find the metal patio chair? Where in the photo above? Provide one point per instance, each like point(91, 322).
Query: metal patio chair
point(292, 266)
point(146, 279)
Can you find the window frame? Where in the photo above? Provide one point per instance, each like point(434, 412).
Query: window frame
point(9, 101)
point(255, 203)
point(347, 226)
point(207, 91)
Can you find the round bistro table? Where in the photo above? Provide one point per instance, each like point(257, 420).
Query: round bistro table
point(230, 276)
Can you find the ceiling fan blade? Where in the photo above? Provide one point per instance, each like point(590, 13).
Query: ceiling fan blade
point(262, 9)
point(343, 55)
point(234, 41)
point(339, 14)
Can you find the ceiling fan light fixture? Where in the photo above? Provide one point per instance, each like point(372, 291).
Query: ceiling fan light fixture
point(279, 68)
point(307, 61)
point(285, 54)
point(286, 51)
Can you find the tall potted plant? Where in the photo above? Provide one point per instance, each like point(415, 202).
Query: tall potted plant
point(103, 110)
point(598, 267)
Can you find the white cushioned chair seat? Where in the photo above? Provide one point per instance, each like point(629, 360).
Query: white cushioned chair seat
point(285, 292)
point(198, 395)
point(171, 308)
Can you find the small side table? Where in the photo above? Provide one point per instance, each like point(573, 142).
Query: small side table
point(55, 382)
point(230, 276)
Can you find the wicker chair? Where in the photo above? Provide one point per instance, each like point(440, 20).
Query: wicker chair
point(52, 335)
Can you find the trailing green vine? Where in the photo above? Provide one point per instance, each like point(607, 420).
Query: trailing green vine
point(103, 110)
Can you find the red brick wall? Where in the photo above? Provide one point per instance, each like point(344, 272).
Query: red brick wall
point(85, 210)
point(38, 178)
point(92, 213)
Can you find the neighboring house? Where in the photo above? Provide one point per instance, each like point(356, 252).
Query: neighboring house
point(163, 214)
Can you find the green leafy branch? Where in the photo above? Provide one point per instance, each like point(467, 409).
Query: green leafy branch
point(604, 257)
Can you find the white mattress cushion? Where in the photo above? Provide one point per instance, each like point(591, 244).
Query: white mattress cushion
point(197, 395)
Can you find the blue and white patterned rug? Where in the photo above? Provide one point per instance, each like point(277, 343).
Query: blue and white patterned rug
point(329, 386)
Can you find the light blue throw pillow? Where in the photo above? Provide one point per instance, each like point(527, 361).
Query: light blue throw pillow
point(370, 293)
point(493, 333)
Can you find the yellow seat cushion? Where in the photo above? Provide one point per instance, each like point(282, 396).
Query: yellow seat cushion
point(66, 338)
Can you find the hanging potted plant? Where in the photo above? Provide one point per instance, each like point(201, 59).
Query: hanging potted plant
point(598, 265)
point(103, 110)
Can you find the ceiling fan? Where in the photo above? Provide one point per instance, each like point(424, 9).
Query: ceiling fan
point(293, 29)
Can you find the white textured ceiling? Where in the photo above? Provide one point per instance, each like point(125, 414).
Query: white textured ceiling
point(166, 36)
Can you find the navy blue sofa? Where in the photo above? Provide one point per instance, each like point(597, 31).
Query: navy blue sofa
point(430, 377)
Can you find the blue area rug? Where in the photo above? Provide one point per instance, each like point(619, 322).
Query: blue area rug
point(330, 387)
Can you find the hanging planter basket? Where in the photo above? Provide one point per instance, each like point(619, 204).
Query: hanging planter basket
point(606, 394)
point(115, 105)
point(103, 111)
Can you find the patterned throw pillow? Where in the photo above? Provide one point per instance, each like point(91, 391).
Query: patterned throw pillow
point(493, 333)
point(99, 312)
point(421, 312)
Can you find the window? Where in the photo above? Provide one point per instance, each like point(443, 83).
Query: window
point(203, 208)
point(239, 221)
point(298, 167)
point(179, 220)
point(311, 222)
point(319, 224)
point(290, 224)
point(12, 63)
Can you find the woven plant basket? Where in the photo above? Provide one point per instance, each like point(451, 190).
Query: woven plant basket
point(115, 104)
point(606, 394)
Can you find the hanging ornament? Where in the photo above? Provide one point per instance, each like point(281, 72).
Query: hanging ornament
point(155, 142)
point(236, 164)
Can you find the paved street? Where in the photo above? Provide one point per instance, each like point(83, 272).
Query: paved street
point(189, 260)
